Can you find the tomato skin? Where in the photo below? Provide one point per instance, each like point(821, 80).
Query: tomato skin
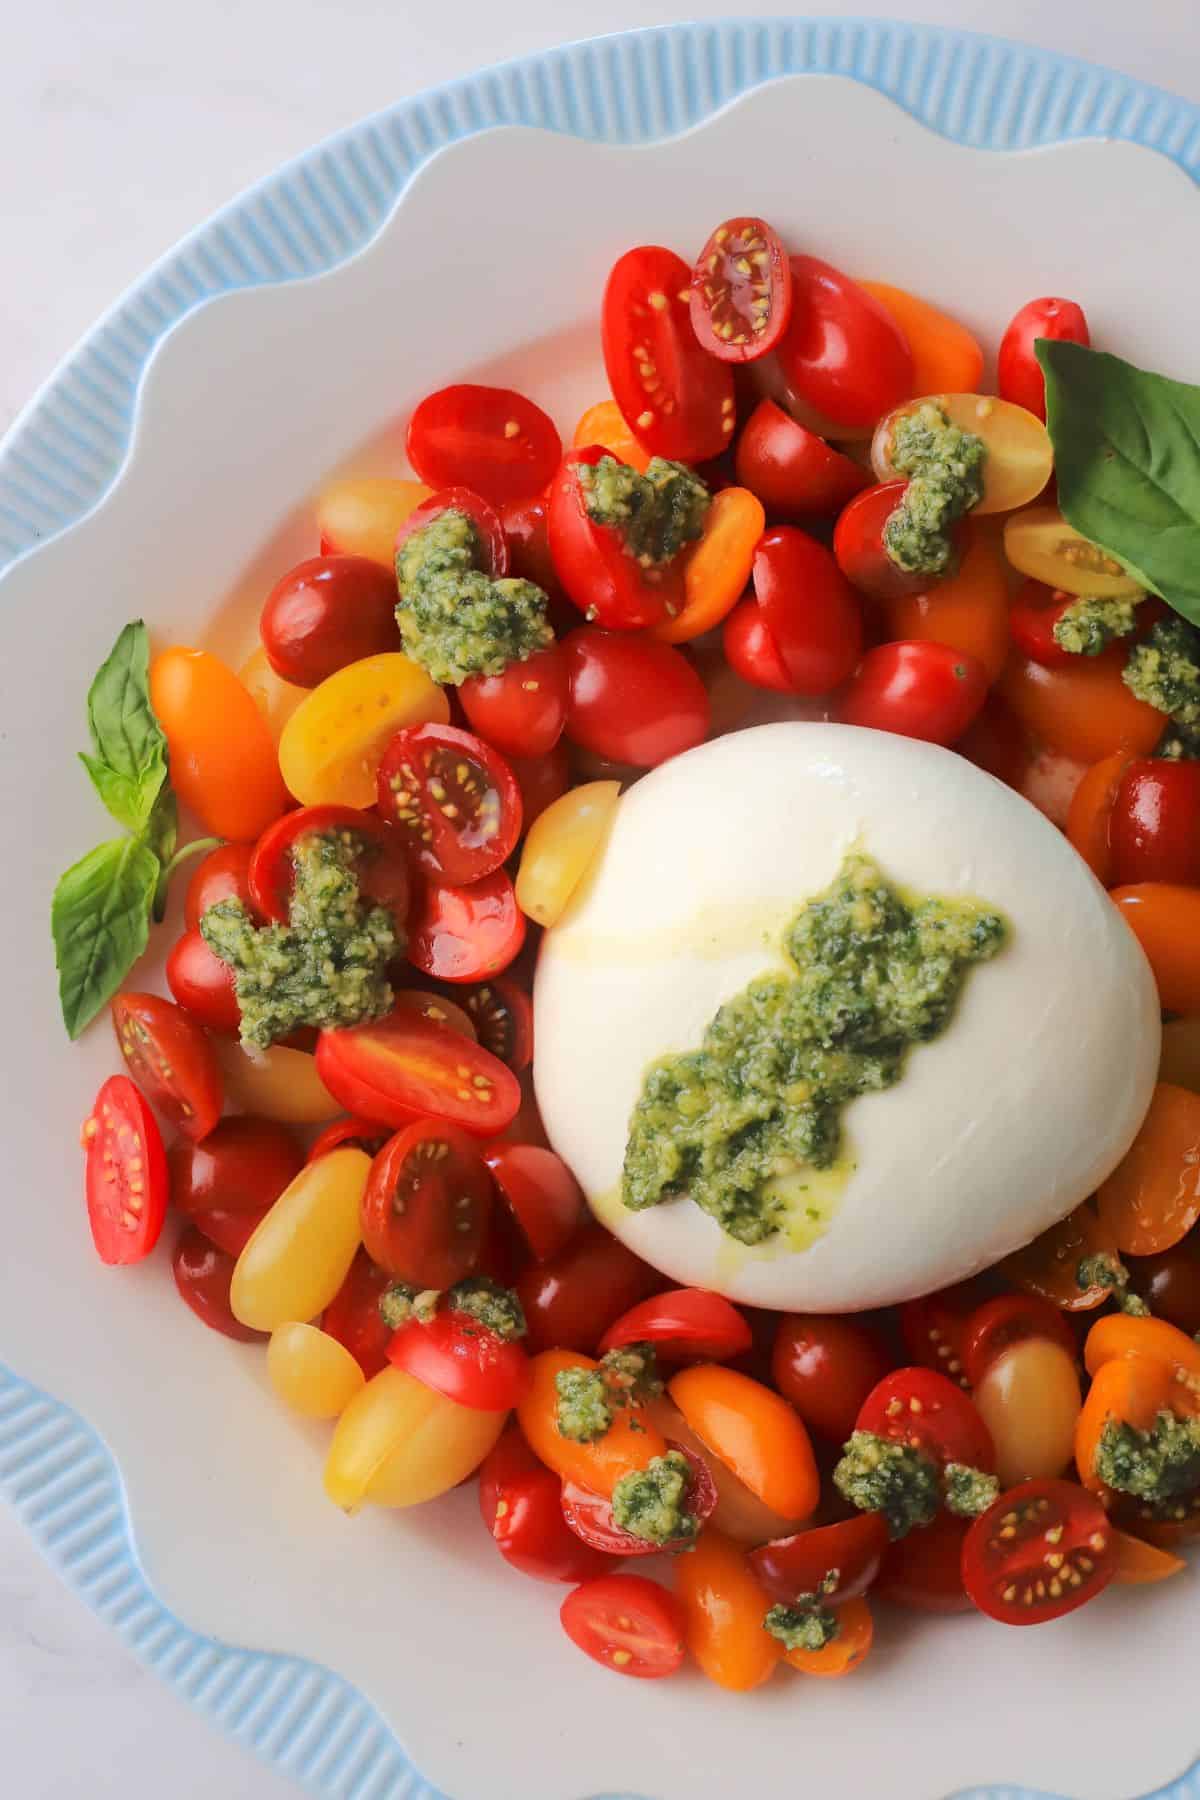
point(795, 1566)
point(946, 358)
point(526, 531)
point(1083, 710)
point(458, 1357)
point(401, 1067)
point(353, 1316)
point(242, 1166)
point(826, 1366)
point(457, 826)
point(481, 513)
point(126, 1176)
point(1007, 1320)
point(169, 1055)
point(920, 690)
point(717, 566)
point(426, 1207)
point(572, 1298)
point(934, 1328)
point(754, 1432)
point(1034, 614)
point(380, 865)
point(647, 308)
point(751, 651)
point(632, 700)
point(1170, 1284)
point(223, 874)
point(325, 613)
point(1151, 1200)
point(724, 1607)
point(540, 1192)
point(502, 1015)
point(542, 780)
point(519, 1500)
point(202, 1275)
point(358, 1132)
point(465, 933)
point(811, 611)
point(361, 516)
point(463, 436)
point(684, 1325)
point(1047, 1266)
point(626, 1624)
point(1165, 919)
point(1019, 376)
point(967, 610)
point(1089, 815)
point(593, 566)
point(223, 761)
point(740, 315)
point(521, 712)
point(859, 548)
point(795, 473)
point(923, 1569)
point(1154, 828)
point(995, 743)
point(993, 1566)
point(202, 984)
point(843, 352)
point(925, 1409)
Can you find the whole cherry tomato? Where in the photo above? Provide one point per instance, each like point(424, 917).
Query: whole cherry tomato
point(1020, 1557)
point(540, 1192)
point(858, 545)
point(751, 651)
point(946, 358)
point(405, 1066)
point(542, 780)
point(486, 438)
point(754, 1432)
point(684, 1325)
point(627, 1624)
point(812, 613)
point(523, 710)
point(1154, 829)
point(1151, 1200)
point(353, 1316)
point(1165, 919)
point(571, 1299)
point(593, 566)
point(1018, 373)
point(676, 398)
point(379, 860)
point(223, 874)
point(457, 1356)
point(465, 933)
point(203, 1275)
point(361, 516)
point(1083, 709)
point(794, 472)
point(526, 529)
point(919, 690)
point(741, 300)
point(826, 1366)
point(223, 761)
point(126, 1178)
point(242, 1166)
point(794, 1567)
point(169, 1055)
point(202, 984)
point(631, 699)
point(426, 1206)
point(327, 612)
point(923, 1569)
point(843, 353)
point(452, 799)
point(520, 1501)
point(724, 1605)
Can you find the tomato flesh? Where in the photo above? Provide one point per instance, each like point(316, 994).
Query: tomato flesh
point(486, 438)
point(1040, 1551)
point(171, 1059)
point(380, 865)
point(684, 1325)
point(452, 798)
point(519, 1500)
point(627, 1624)
point(426, 1206)
point(741, 299)
point(502, 1015)
point(676, 399)
point(458, 1357)
point(466, 933)
point(406, 1065)
point(126, 1173)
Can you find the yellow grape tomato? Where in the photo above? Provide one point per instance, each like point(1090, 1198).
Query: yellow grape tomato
point(311, 1372)
point(1019, 457)
point(275, 698)
point(445, 1448)
point(1039, 543)
point(361, 516)
point(560, 847)
point(279, 1083)
point(331, 746)
point(399, 1443)
point(301, 1252)
point(1030, 1401)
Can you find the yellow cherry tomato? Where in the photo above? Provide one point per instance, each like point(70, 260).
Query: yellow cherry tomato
point(311, 1372)
point(361, 516)
point(300, 1253)
point(399, 1443)
point(723, 1612)
point(275, 698)
point(279, 1083)
point(561, 846)
point(603, 424)
point(946, 358)
point(1039, 543)
point(332, 744)
point(1029, 1399)
point(717, 568)
point(223, 763)
point(1019, 456)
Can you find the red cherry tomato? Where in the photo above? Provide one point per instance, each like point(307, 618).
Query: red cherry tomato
point(633, 700)
point(996, 743)
point(812, 613)
point(676, 399)
point(486, 438)
point(923, 1570)
point(457, 1356)
point(1020, 1557)
point(684, 1325)
point(203, 984)
point(843, 353)
point(859, 548)
point(465, 933)
point(522, 711)
point(590, 1515)
point(452, 799)
point(741, 301)
point(1154, 826)
point(542, 780)
point(826, 1366)
point(571, 1299)
point(202, 1275)
point(482, 515)
point(593, 566)
point(934, 1327)
point(169, 1056)
point(358, 1132)
point(1019, 376)
point(541, 1194)
point(1031, 621)
point(519, 1498)
point(223, 874)
point(791, 469)
point(795, 1566)
point(751, 651)
point(1007, 1320)
point(917, 689)
point(626, 1624)
point(426, 1206)
point(406, 1065)
point(353, 1316)
point(242, 1166)
point(380, 862)
point(527, 532)
point(1170, 1284)
point(925, 1410)
point(502, 1015)
point(126, 1175)
point(328, 612)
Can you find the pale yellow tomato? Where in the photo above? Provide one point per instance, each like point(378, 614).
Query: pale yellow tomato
point(1029, 1399)
point(560, 847)
point(1019, 456)
point(1180, 1059)
point(399, 1443)
point(300, 1253)
point(311, 1372)
point(280, 1083)
point(1038, 542)
point(332, 744)
point(275, 698)
point(361, 516)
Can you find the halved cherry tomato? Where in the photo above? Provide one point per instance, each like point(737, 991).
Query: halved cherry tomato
point(487, 438)
point(333, 743)
point(1039, 543)
point(502, 1015)
point(400, 1067)
point(751, 651)
point(676, 399)
point(920, 690)
point(812, 613)
point(520, 1502)
point(826, 1366)
point(1090, 813)
point(527, 534)
point(1139, 1563)
point(1049, 1265)
point(126, 1178)
point(684, 1325)
point(360, 516)
point(426, 1206)
point(438, 1008)
point(631, 1441)
point(202, 984)
point(605, 425)
point(452, 799)
point(946, 358)
point(359, 1132)
point(855, 1634)
point(923, 1569)
point(1035, 612)
point(223, 762)
point(242, 1166)
point(522, 711)
point(1170, 1285)
point(380, 862)
point(724, 1607)
point(1165, 919)
point(594, 567)
point(203, 1275)
point(1022, 1556)
point(562, 846)
point(1019, 457)
point(926, 1410)
point(793, 471)
point(1128, 1389)
point(859, 547)
point(1152, 1198)
point(627, 1624)
point(1154, 828)
point(967, 610)
point(1018, 372)
point(353, 1316)
point(1010, 1319)
point(573, 1297)
point(590, 1516)
point(465, 933)
point(716, 569)
point(934, 1327)
point(798, 1566)
point(325, 613)
point(753, 1430)
point(541, 1194)
point(741, 300)
point(1085, 710)
point(481, 514)
point(223, 874)
point(169, 1055)
point(457, 1356)
point(843, 353)
point(631, 699)
point(229, 1231)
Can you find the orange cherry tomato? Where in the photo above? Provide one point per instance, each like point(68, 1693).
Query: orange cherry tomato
point(847, 1650)
point(1083, 708)
point(1139, 1563)
point(1120, 1336)
point(604, 424)
point(723, 1609)
point(946, 358)
point(1049, 1264)
point(717, 568)
point(1090, 809)
point(223, 762)
point(1165, 919)
point(968, 610)
point(755, 1431)
point(1133, 1390)
point(630, 1442)
point(1152, 1198)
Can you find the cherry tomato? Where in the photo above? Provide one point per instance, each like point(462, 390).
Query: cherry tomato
point(542, 780)
point(202, 984)
point(1034, 614)
point(920, 690)
point(1019, 455)
point(1084, 710)
point(380, 863)
point(541, 1194)
point(923, 1569)
point(223, 762)
point(1090, 813)
point(859, 547)
point(359, 1132)
point(486, 438)
point(684, 1325)
point(631, 1442)
point(465, 933)
point(717, 567)
point(275, 699)
point(724, 1607)
point(967, 610)
point(572, 1298)
point(361, 516)
point(793, 471)
point(400, 1443)
point(502, 1015)
point(1048, 1266)
point(522, 711)
point(426, 1206)
point(561, 847)
point(843, 353)
point(1151, 1200)
point(223, 874)
point(436, 1007)
point(946, 358)
point(627, 1624)
point(1119, 1337)
point(526, 532)
point(753, 1431)
point(332, 745)
point(741, 299)
point(481, 514)
point(845, 1652)
point(203, 1275)
point(1039, 543)
point(1021, 1557)
point(996, 743)
point(595, 569)
point(327, 612)
point(1018, 372)
point(590, 1516)
point(676, 399)
point(457, 1356)
point(169, 1055)
point(281, 1083)
point(1154, 828)
point(1139, 1564)
point(311, 1372)
point(826, 1366)
point(1007, 1320)
point(812, 613)
point(796, 1566)
point(398, 1068)
point(1165, 919)
point(1029, 1398)
point(1170, 1285)
point(126, 1178)
point(520, 1501)
point(452, 799)
point(934, 1328)
point(242, 1167)
point(751, 651)
point(353, 1316)
point(632, 700)
point(301, 1251)
point(927, 1411)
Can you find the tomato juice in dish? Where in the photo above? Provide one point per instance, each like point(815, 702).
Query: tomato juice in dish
point(669, 1015)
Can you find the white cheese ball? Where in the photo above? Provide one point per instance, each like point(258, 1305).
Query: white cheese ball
point(994, 1130)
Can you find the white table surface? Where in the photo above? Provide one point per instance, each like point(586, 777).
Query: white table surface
point(123, 124)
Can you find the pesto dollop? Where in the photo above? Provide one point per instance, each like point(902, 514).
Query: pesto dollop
point(492, 1305)
point(802, 1627)
point(967, 1491)
point(455, 620)
point(656, 514)
point(1104, 1270)
point(651, 1503)
point(872, 975)
point(327, 966)
point(1164, 671)
point(1159, 1466)
point(1091, 623)
point(588, 1399)
point(897, 1480)
point(944, 466)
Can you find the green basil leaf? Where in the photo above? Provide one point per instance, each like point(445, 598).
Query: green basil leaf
point(162, 833)
point(1127, 456)
point(118, 794)
point(100, 917)
point(126, 737)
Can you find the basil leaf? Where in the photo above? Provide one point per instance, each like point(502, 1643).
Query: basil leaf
point(130, 762)
point(1127, 456)
point(100, 917)
point(162, 833)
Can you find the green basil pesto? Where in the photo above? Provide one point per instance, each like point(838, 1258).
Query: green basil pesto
point(327, 966)
point(588, 1399)
point(897, 1480)
point(967, 1491)
point(944, 466)
point(802, 1627)
point(1159, 1466)
point(1091, 623)
point(651, 1503)
point(400, 1302)
point(493, 1306)
point(455, 620)
point(871, 975)
point(656, 513)
point(1103, 1270)
point(1164, 671)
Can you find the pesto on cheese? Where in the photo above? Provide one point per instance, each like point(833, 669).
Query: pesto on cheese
point(944, 466)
